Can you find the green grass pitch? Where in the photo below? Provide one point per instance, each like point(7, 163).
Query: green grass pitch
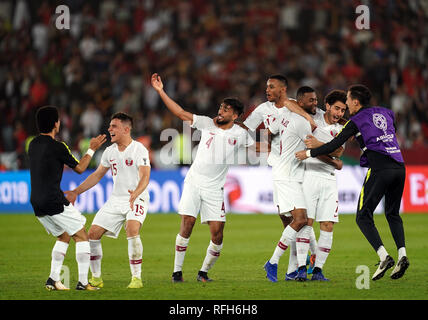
point(249, 240)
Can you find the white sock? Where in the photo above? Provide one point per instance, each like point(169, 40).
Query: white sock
point(96, 257)
point(302, 245)
point(135, 254)
point(292, 260)
point(401, 253)
point(287, 238)
point(382, 253)
point(180, 252)
point(83, 255)
point(213, 252)
point(324, 246)
point(313, 242)
point(58, 254)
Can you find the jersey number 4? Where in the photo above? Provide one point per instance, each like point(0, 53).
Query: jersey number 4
point(208, 143)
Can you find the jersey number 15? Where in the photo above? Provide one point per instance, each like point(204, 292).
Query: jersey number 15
point(113, 169)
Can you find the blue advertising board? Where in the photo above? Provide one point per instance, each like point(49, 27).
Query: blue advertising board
point(165, 189)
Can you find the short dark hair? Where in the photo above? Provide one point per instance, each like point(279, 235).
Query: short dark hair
point(302, 90)
point(46, 117)
point(334, 96)
point(236, 105)
point(123, 117)
point(360, 93)
point(280, 78)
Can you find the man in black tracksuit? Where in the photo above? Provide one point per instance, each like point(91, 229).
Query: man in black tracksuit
point(47, 159)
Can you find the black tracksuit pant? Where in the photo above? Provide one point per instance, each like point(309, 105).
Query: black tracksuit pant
point(380, 182)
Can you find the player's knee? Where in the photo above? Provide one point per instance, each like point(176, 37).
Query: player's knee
point(133, 228)
point(363, 220)
point(187, 223)
point(327, 226)
point(81, 235)
point(301, 221)
point(94, 234)
point(64, 237)
point(217, 238)
point(286, 220)
point(359, 218)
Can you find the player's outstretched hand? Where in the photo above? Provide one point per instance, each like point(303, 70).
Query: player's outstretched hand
point(301, 155)
point(311, 142)
point(97, 142)
point(156, 82)
point(71, 196)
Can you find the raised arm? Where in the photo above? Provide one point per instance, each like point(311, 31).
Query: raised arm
point(175, 108)
point(94, 144)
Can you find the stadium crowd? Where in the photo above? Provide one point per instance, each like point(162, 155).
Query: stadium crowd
point(206, 50)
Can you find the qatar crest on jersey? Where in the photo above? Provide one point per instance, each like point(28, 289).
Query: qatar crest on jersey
point(232, 141)
point(129, 161)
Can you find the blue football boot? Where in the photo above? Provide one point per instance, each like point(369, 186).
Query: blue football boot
point(271, 271)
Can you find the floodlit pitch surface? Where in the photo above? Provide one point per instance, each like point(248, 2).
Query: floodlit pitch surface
point(249, 240)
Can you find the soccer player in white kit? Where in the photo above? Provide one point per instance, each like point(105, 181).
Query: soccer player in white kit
point(266, 113)
point(293, 129)
point(319, 183)
point(129, 163)
point(204, 182)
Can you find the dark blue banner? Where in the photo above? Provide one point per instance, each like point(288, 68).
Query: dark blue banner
point(164, 188)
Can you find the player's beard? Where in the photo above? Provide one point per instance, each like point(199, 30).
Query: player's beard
point(224, 121)
point(311, 110)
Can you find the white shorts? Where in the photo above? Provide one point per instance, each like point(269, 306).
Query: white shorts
point(290, 196)
point(208, 202)
point(322, 198)
point(70, 221)
point(115, 213)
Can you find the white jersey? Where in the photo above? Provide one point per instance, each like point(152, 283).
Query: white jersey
point(267, 113)
point(124, 167)
point(217, 150)
point(324, 132)
point(293, 129)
